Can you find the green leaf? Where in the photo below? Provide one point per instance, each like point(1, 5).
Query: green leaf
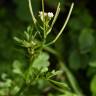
point(18, 40)
point(69, 94)
point(74, 60)
point(61, 85)
point(92, 64)
point(37, 68)
point(3, 76)
point(53, 73)
point(17, 67)
point(93, 85)
point(78, 22)
point(41, 62)
point(86, 41)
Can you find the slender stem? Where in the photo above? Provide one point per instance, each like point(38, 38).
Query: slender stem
point(64, 25)
point(32, 15)
point(31, 11)
point(43, 8)
point(55, 18)
point(44, 29)
point(51, 51)
point(71, 79)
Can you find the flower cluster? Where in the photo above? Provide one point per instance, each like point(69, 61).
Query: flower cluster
point(49, 15)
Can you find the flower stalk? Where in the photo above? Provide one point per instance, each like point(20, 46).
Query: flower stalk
point(64, 25)
point(31, 11)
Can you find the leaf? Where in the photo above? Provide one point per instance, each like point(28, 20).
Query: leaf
point(3, 76)
point(61, 85)
point(37, 68)
point(78, 22)
point(74, 60)
point(69, 94)
point(17, 40)
point(41, 62)
point(17, 67)
point(93, 85)
point(53, 73)
point(86, 40)
point(92, 64)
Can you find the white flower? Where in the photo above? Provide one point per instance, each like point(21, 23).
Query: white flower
point(41, 13)
point(50, 14)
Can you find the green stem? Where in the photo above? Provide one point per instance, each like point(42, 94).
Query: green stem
point(71, 79)
point(43, 20)
point(32, 15)
point(31, 11)
point(64, 25)
point(43, 8)
point(26, 74)
point(55, 18)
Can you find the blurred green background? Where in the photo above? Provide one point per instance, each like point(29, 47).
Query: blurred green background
point(77, 44)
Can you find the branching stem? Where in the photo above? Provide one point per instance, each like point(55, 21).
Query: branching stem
point(31, 11)
point(55, 18)
point(64, 25)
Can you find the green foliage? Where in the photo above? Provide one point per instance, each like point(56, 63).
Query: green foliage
point(86, 40)
point(41, 63)
point(31, 70)
point(17, 67)
point(92, 64)
point(93, 85)
point(74, 61)
point(37, 59)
